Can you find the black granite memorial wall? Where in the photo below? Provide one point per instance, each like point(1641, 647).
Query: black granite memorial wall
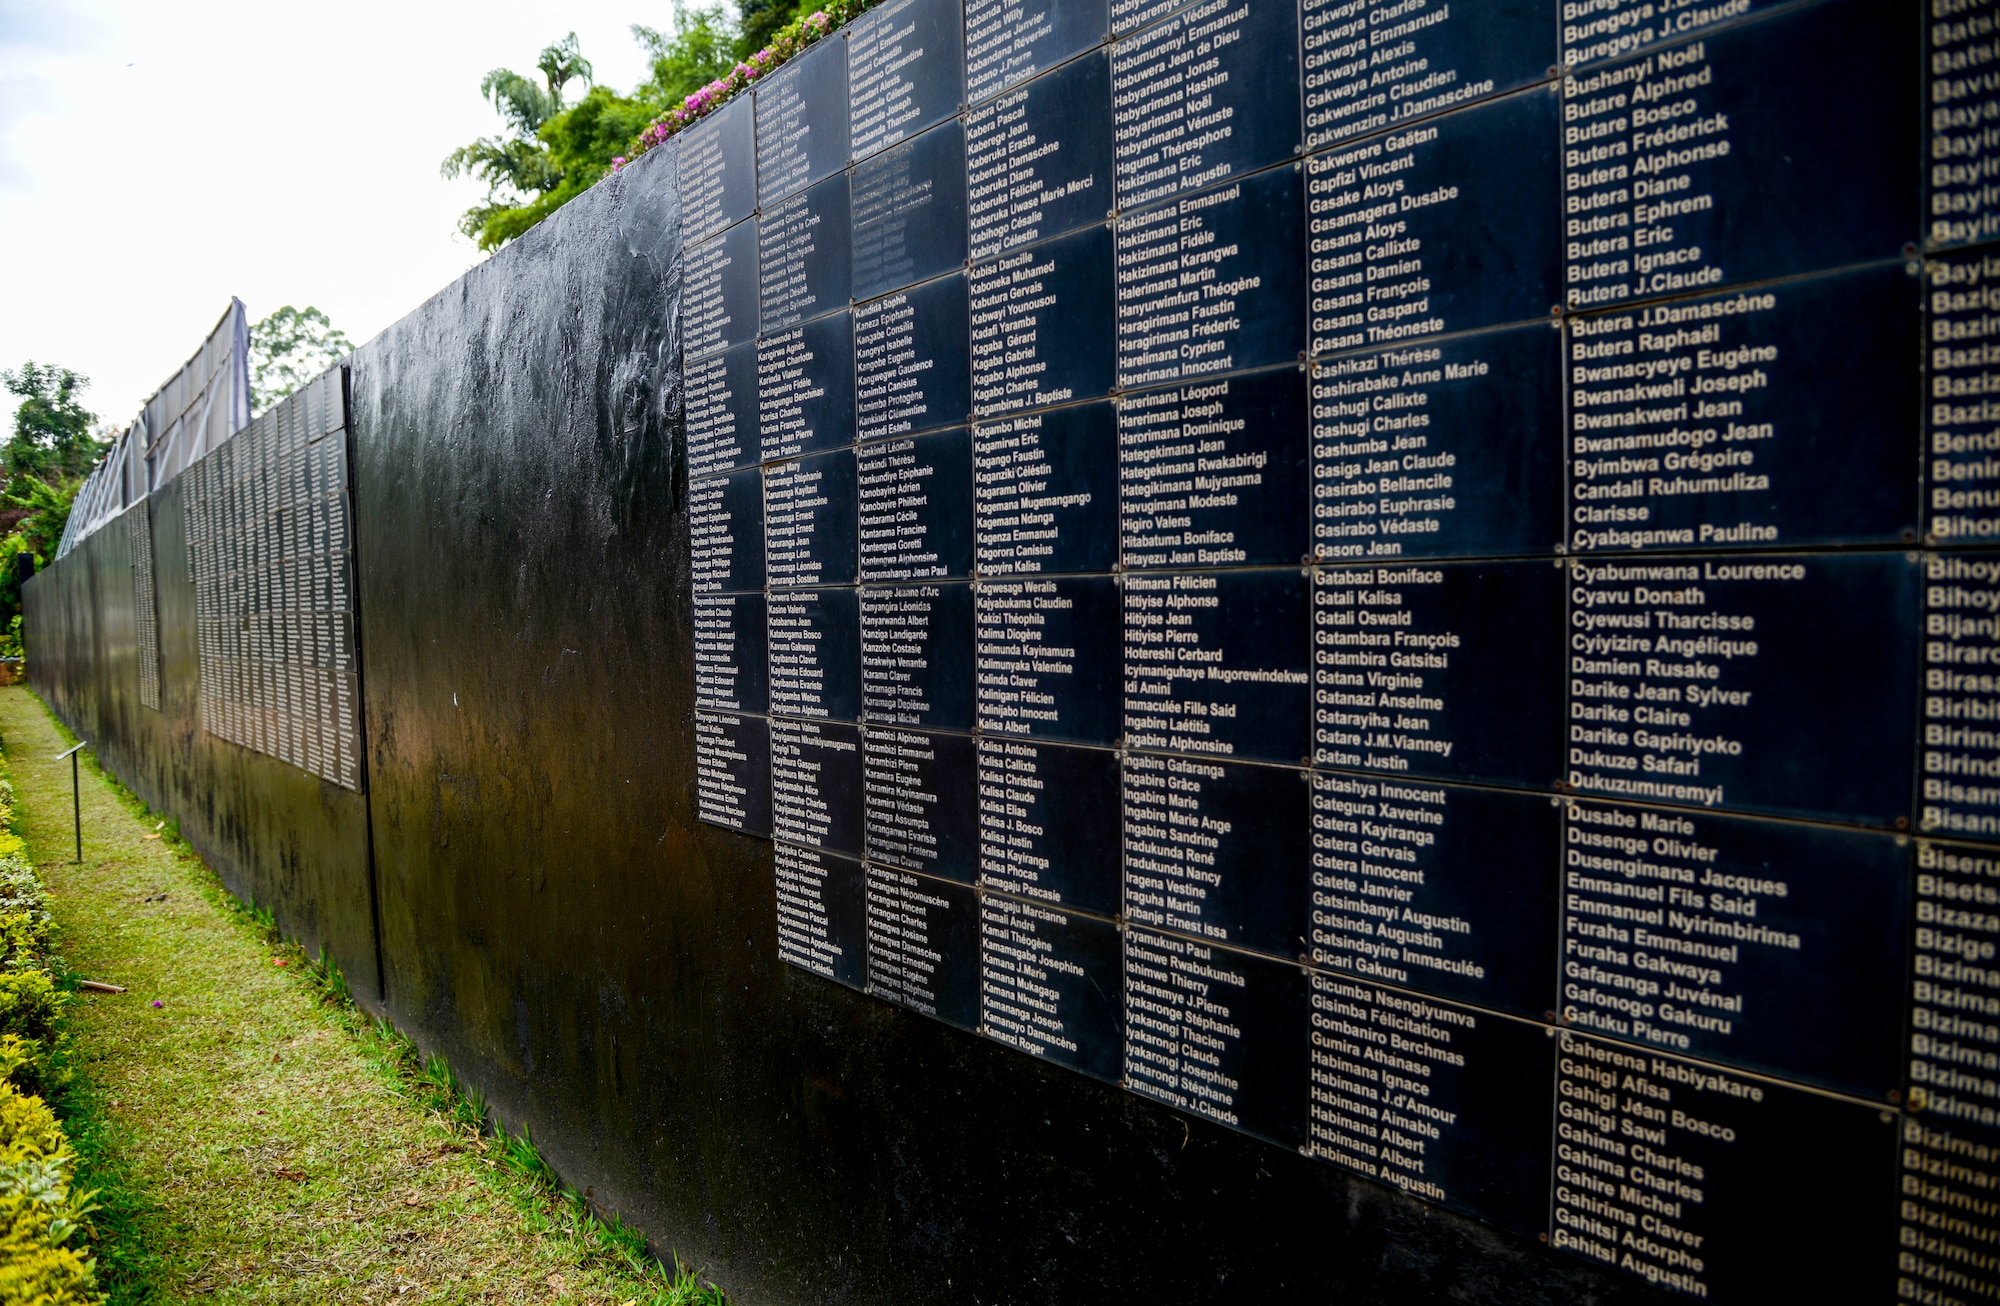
point(1352, 639)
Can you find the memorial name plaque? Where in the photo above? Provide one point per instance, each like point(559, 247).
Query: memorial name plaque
point(1422, 231)
point(1712, 1184)
point(732, 768)
point(917, 655)
point(1964, 182)
point(1731, 939)
point(1959, 756)
point(816, 784)
point(1445, 448)
point(909, 212)
point(1220, 663)
point(905, 71)
point(718, 171)
point(815, 640)
point(1442, 888)
point(1947, 1183)
point(1050, 985)
point(1617, 27)
point(805, 254)
point(805, 388)
point(1704, 682)
point(1668, 181)
point(1738, 421)
point(810, 520)
point(822, 914)
point(1045, 492)
point(1037, 324)
point(1962, 431)
point(722, 411)
point(1212, 282)
point(726, 532)
point(1191, 98)
point(923, 945)
point(1216, 851)
point(921, 793)
point(1007, 43)
point(1049, 658)
point(802, 121)
point(1038, 159)
point(1049, 823)
point(729, 643)
point(912, 361)
point(1217, 1033)
point(1370, 66)
point(719, 305)
point(1212, 473)
point(1432, 1098)
point(1954, 1033)
point(1402, 654)
point(915, 499)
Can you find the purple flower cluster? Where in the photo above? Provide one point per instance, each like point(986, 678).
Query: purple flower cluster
point(790, 40)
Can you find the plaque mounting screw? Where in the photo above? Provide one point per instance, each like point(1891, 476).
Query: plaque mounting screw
point(1902, 823)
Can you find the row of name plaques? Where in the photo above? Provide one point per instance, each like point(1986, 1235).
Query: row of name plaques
point(1408, 579)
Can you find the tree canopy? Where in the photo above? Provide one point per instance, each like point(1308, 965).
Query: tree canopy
point(290, 347)
point(52, 429)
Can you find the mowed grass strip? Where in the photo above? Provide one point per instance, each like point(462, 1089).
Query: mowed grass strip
point(252, 1142)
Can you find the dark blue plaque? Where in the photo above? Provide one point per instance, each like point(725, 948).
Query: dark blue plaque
point(802, 121)
point(729, 671)
point(909, 212)
point(1194, 99)
point(1774, 147)
point(923, 945)
point(1962, 499)
point(805, 253)
point(1049, 658)
point(719, 302)
point(1954, 986)
point(1364, 73)
point(1436, 887)
point(1049, 824)
point(921, 792)
point(1440, 670)
point(1006, 43)
point(1441, 1101)
point(722, 411)
point(815, 644)
point(1220, 663)
point(916, 655)
point(1217, 851)
point(1617, 27)
point(1046, 489)
point(1050, 985)
point(718, 171)
point(912, 360)
point(1962, 200)
point(1442, 448)
point(1038, 159)
point(1425, 230)
point(726, 532)
point(822, 914)
point(816, 784)
point(809, 520)
point(1038, 325)
point(905, 71)
point(732, 771)
point(1946, 1170)
point(1213, 282)
point(1213, 473)
point(805, 388)
point(1217, 1033)
point(1783, 685)
point(1734, 940)
point(916, 507)
point(1959, 793)
point(1746, 1191)
point(1739, 421)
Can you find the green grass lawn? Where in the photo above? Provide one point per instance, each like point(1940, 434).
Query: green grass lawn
point(253, 1140)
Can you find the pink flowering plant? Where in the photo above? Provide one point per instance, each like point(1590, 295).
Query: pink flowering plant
point(790, 40)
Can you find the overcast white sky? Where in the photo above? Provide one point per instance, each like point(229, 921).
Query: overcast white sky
point(159, 156)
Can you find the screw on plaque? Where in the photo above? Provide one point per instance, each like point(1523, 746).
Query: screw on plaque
point(1902, 823)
